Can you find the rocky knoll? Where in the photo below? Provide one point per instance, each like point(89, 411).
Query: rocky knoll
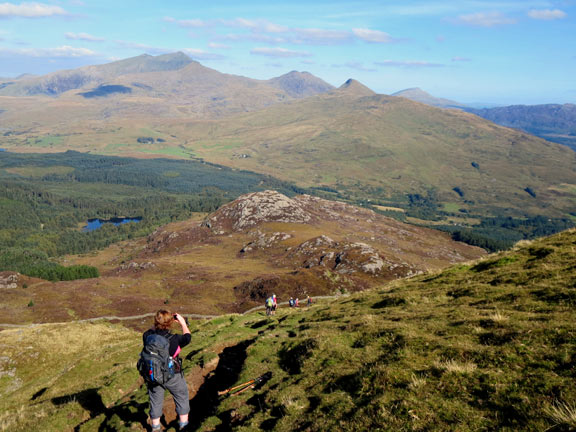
point(261, 243)
point(301, 245)
point(257, 208)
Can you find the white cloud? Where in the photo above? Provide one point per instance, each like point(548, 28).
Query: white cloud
point(263, 26)
point(461, 59)
point(408, 63)
point(547, 14)
point(279, 52)
point(374, 36)
point(313, 36)
point(29, 10)
point(484, 19)
point(64, 51)
point(83, 36)
point(254, 37)
point(265, 31)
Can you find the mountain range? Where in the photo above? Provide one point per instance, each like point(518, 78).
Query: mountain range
point(189, 87)
point(296, 127)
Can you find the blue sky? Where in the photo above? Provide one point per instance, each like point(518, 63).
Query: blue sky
point(497, 51)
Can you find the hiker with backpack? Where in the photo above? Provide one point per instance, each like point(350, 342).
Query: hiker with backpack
point(161, 367)
point(269, 306)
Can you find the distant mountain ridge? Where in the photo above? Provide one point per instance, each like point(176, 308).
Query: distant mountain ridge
point(418, 95)
point(181, 75)
point(552, 122)
point(347, 140)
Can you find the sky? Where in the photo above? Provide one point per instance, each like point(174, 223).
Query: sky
point(472, 51)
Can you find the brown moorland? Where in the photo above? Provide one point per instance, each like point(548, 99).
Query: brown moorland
point(261, 243)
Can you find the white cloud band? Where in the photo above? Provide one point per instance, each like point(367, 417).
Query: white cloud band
point(29, 10)
point(547, 14)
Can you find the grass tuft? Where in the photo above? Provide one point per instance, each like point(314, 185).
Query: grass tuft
point(562, 414)
point(453, 366)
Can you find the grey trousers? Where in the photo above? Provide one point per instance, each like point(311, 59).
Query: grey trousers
point(179, 391)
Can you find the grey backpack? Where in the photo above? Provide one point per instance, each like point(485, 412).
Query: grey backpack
point(155, 363)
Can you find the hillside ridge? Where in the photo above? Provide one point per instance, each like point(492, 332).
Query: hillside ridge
point(488, 344)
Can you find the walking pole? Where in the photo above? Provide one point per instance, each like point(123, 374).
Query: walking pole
point(232, 391)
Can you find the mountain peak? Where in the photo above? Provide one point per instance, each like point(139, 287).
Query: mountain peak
point(147, 63)
point(300, 84)
point(352, 86)
point(416, 94)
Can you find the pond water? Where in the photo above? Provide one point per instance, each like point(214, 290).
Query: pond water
point(94, 224)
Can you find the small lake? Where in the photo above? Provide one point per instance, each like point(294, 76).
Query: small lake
point(94, 224)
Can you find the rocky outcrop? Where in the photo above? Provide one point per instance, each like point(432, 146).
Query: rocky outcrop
point(264, 241)
point(136, 266)
point(347, 258)
point(9, 280)
point(254, 209)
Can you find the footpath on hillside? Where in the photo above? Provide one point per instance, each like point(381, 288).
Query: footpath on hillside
point(149, 315)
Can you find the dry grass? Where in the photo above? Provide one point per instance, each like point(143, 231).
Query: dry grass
point(453, 366)
point(498, 318)
point(416, 382)
point(562, 414)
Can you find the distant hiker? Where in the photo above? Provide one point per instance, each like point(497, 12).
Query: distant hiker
point(291, 302)
point(162, 368)
point(274, 304)
point(296, 302)
point(269, 306)
point(308, 301)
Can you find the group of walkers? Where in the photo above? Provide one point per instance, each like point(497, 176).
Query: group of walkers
point(271, 303)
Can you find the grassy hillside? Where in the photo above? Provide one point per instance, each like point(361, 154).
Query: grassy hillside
point(490, 345)
point(384, 148)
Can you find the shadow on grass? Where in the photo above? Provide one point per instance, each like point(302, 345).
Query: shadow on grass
point(226, 374)
point(123, 415)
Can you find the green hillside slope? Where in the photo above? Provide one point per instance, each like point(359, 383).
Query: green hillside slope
point(385, 148)
point(486, 346)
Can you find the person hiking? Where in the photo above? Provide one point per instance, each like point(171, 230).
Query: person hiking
point(296, 302)
point(274, 304)
point(269, 306)
point(308, 301)
point(291, 302)
point(175, 384)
